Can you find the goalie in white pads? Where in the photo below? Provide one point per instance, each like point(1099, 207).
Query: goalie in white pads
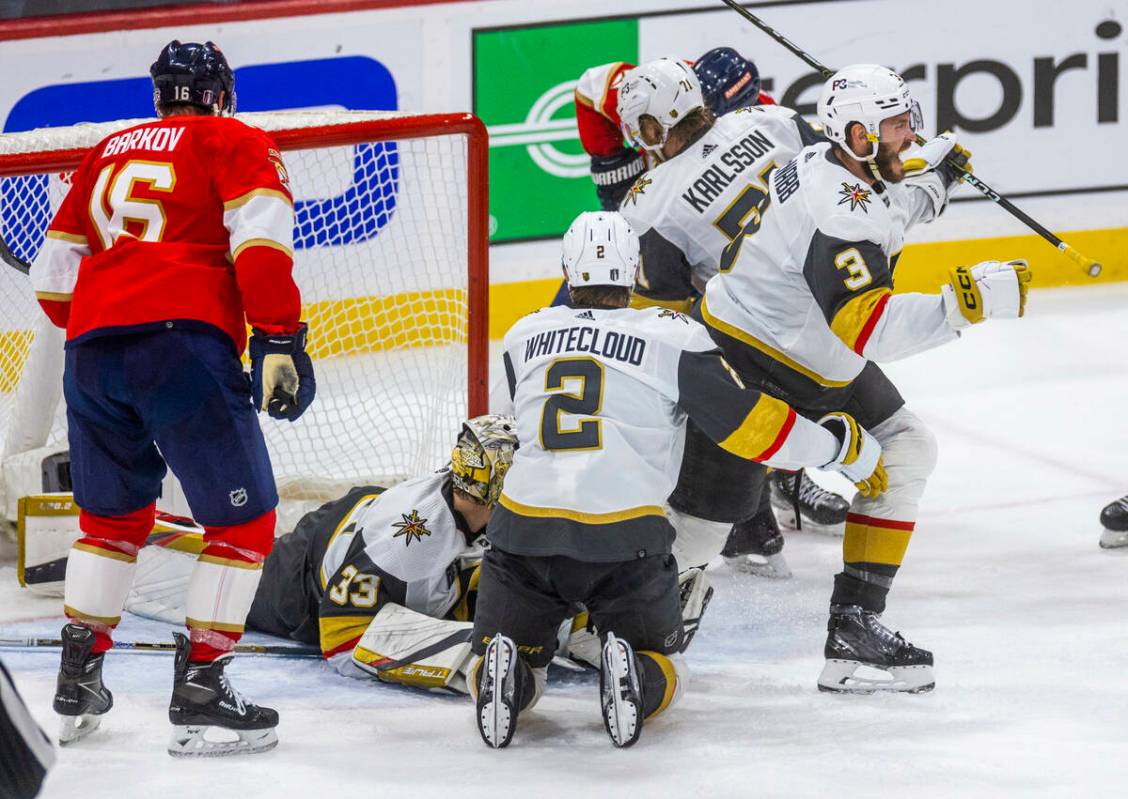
point(711, 174)
point(803, 307)
point(601, 393)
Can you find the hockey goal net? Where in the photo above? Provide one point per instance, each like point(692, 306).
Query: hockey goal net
point(391, 259)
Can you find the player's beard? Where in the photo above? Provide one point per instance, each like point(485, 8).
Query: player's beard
point(889, 163)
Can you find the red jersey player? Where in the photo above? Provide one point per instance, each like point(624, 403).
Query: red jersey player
point(175, 234)
point(728, 81)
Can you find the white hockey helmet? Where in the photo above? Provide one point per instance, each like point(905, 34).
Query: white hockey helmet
point(666, 89)
point(600, 249)
point(866, 94)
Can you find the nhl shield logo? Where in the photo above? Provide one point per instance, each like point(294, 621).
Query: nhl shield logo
point(238, 497)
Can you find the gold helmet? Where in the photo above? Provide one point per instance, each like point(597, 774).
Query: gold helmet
point(482, 456)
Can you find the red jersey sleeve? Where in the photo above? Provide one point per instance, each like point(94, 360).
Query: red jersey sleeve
point(597, 116)
point(258, 212)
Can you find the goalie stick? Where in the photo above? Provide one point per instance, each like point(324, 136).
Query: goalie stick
point(11, 259)
point(1091, 267)
point(269, 650)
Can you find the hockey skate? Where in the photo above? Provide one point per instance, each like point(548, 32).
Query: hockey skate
point(755, 547)
point(80, 696)
point(1114, 520)
point(802, 504)
point(620, 694)
point(202, 699)
point(858, 644)
point(497, 692)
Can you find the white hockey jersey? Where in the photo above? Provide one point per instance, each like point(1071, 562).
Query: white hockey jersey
point(810, 282)
point(688, 209)
point(601, 399)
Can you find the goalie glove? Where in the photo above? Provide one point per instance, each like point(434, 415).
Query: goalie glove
point(988, 289)
point(282, 381)
point(942, 155)
point(614, 175)
point(859, 456)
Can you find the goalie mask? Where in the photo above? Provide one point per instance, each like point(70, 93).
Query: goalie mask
point(482, 456)
point(666, 90)
point(600, 249)
point(194, 74)
point(866, 94)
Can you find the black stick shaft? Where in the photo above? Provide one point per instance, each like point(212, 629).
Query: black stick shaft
point(1088, 264)
point(163, 646)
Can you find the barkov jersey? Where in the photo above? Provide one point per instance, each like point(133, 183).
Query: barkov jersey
point(351, 557)
point(601, 398)
point(185, 218)
point(811, 282)
point(688, 210)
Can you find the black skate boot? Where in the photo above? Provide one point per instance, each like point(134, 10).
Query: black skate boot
point(802, 504)
point(1114, 520)
point(619, 691)
point(202, 698)
point(80, 696)
point(498, 693)
point(857, 639)
point(755, 546)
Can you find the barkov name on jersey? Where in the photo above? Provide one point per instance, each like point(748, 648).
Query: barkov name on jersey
point(738, 158)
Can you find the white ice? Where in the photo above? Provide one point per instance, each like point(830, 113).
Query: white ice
point(1003, 581)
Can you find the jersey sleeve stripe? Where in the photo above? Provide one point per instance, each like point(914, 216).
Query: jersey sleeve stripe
point(577, 516)
point(338, 631)
point(740, 335)
point(763, 430)
point(72, 238)
point(874, 543)
point(274, 245)
point(54, 296)
point(242, 200)
point(855, 320)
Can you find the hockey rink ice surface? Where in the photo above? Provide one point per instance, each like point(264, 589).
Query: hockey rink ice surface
point(1003, 581)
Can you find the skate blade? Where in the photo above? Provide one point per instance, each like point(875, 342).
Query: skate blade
point(190, 740)
point(75, 728)
point(842, 677)
point(496, 714)
point(622, 715)
point(1111, 539)
point(785, 518)
point(773, 567)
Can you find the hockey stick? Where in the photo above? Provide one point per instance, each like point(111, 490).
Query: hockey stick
point(269, 650)
point(10, 258)
point(1091, 267)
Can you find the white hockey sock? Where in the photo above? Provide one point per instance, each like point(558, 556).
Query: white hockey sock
point(98, 579)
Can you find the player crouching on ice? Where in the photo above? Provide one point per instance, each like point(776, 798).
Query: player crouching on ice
point(175, 235)
point(601, 393)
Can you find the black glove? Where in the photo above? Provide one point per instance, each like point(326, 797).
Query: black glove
point(614, 175)
point(282, 373)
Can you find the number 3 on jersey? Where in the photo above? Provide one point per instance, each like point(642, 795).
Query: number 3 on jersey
point(116, 210)
point(584, 399)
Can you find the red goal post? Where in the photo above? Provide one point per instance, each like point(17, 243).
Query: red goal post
point(391, 254)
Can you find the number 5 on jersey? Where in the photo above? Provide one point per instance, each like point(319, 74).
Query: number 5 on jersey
point(116, 210)
point(579, 386)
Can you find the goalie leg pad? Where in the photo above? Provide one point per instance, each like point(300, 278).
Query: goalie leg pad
point(406, 647)
point(697, 540)
point(160, 584)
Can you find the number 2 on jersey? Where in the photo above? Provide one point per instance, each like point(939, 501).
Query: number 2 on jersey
point(586, 401)
point(116, 196)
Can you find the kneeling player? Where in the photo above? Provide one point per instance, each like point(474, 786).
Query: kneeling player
point(601, 393)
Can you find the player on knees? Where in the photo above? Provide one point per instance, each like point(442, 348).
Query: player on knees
point(601, 393)
point(175, 235)
point(803, 306)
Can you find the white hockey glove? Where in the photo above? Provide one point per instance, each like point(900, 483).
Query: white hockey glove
point(859, 457)
point(934, 155)
point(992, 289)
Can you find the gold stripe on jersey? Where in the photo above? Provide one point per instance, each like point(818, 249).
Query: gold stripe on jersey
point(578, 516)
point(682, 306)
point(747, 338)
point(102, 552)
point(853, 317)
point(671, 675)
point(54, 296)
point(335, 631)
point(230, 562)
point(348, 517)
point(869, 543)
point(198, 624)
point(242, 200)
point(271, 243)
point(73, 238)
point(760, 429)
point(108, 621)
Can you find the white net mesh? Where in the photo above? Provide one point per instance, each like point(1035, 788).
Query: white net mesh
point(381, 260)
